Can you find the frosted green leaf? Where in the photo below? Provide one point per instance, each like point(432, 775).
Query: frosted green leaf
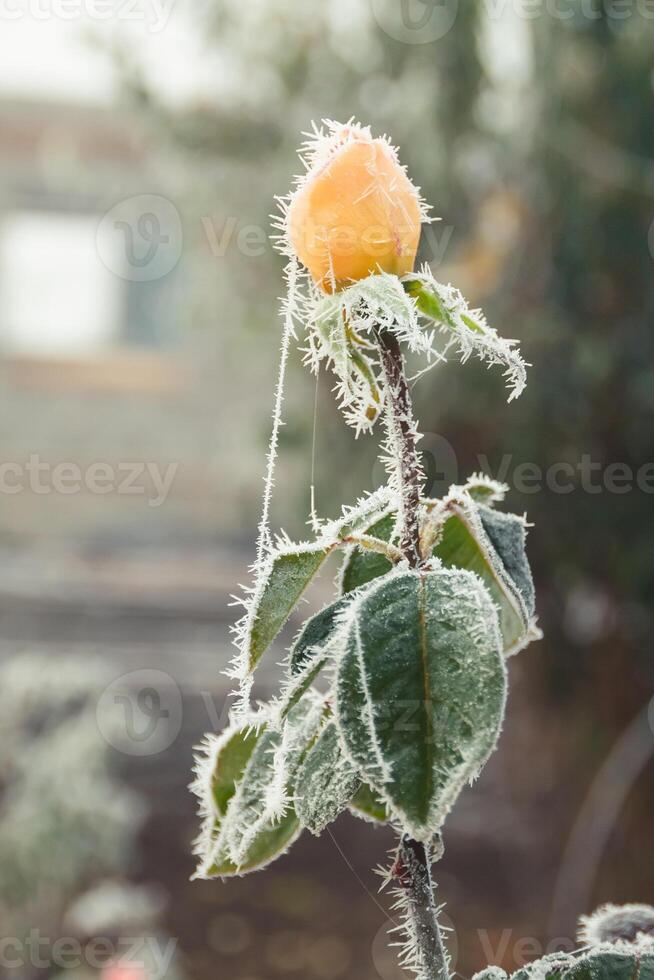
point(617, 923)
point(610, 964)
point(621, 961)
point(300, 726)
point(484, 490)
point(421, 688)
point(464, 544)
point(247, 835)
point(230, 762)
point(308, 654)
point(315, 635)
point(646, 965)
point(508, 537)
point(270, 843)
point(246, 797)
point(283, 583)
point(219, 766)
point(368, 804)
point(550, 967)
point(361, 565)
point(326, 782)
point(491, 973)
point(300, 684)
point(474, 537)
point(466, 329)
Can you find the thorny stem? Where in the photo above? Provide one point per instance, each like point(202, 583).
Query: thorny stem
point(412, 868)
point(403, 434)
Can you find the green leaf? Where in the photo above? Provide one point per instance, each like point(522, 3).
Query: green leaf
point(244, 793)
point(368, 804)
point(484, 490)
point(286, 578)
point(464, 543)
point(314, 635)
point(427, 301)
point(248, 835)
point(300, 684)
point(269, 844)
point(230, 761)
point(605, 965)
point(509, 538)
point(421, 688)
point(491, 973)
point(307, 658)
point(326, 782)
point(362, 566)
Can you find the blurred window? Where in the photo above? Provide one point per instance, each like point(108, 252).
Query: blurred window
point(56, 298)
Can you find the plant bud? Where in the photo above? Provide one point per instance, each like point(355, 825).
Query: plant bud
point(355, 212)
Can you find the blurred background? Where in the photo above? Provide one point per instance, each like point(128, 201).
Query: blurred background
point(141, 145)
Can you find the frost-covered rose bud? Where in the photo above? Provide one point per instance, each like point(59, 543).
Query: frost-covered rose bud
point(355, 212)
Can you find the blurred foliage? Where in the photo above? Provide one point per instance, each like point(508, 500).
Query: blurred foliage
point(65, 818)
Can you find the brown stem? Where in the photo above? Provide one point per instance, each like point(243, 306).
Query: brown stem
point(403, 434)
point(413, 860)
point(423, 927)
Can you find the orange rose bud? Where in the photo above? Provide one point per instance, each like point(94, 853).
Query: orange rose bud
point(355, 213)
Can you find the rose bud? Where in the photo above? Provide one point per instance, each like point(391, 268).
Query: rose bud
point(355, 212)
